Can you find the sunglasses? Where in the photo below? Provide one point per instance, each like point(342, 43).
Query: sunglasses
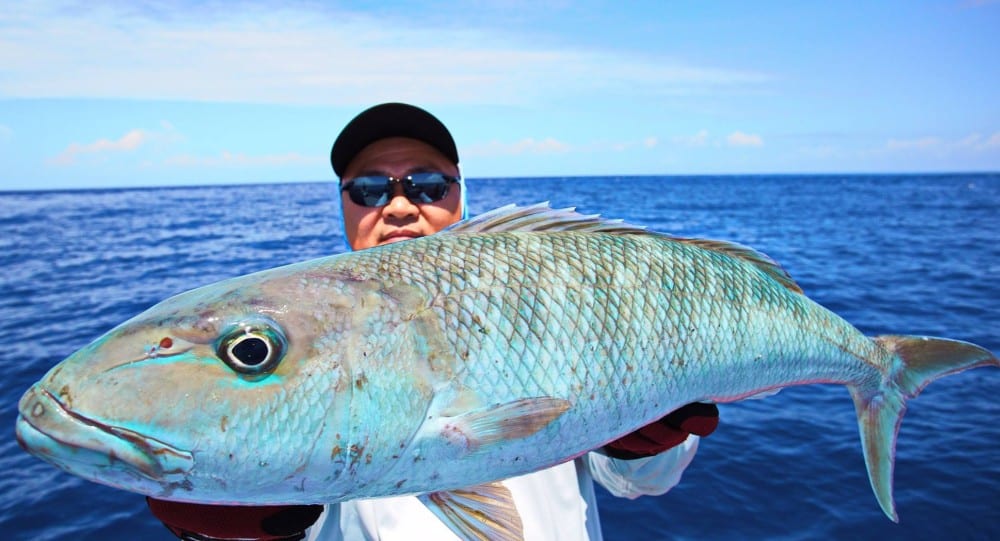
point(419, 188)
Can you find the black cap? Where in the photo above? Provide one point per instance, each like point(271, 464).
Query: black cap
point(390, 120)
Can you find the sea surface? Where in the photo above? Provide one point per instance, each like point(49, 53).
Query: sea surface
point(914, 254)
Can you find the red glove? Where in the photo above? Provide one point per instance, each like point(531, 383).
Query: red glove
point(697, 418)
point(198, 522)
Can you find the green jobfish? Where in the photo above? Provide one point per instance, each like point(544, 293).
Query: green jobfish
point(505, 344)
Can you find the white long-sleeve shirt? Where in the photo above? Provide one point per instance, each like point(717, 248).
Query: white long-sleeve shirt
point(557, 503)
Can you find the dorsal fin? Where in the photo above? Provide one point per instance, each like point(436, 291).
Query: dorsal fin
point(541, 217)
point(760, 260)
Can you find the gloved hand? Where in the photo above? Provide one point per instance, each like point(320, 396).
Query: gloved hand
point(697, 418)
point(198, 522)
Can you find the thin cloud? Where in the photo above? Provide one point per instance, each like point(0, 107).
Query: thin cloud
point(524, 146)
point(971, 143)
point(306, 54)
point(993, 141)
point(549, 145)
point(699, 139)
point(921, 143)
point(979, 143)
point(128, 142)
point(740, 139)
point(703, 139)
point(240, 159)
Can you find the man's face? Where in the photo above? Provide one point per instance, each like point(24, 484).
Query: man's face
point(401, 219)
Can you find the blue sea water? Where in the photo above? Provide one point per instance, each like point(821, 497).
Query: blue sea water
point(914, 254)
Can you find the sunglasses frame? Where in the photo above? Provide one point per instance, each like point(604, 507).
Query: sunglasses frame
point(411, 190)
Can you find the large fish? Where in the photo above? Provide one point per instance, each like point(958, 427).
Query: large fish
point(506, 344)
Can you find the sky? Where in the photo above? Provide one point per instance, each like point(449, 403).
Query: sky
point(157, 93)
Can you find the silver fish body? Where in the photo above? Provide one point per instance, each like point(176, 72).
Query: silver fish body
point(507, 344)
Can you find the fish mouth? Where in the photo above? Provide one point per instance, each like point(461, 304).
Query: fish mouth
point(84, 446)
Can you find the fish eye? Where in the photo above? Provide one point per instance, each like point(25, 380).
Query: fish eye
point(253, 349)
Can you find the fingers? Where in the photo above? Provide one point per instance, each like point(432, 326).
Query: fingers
point(697, 418)
point(263, 523)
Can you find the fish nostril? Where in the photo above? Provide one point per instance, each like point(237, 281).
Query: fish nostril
point(38, 410)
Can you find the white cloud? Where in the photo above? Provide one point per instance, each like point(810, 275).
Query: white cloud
point(740, 139)
point(307, 54)
point(128, 142)
point(131, 141)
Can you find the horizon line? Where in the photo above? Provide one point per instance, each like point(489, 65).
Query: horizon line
point(56, 189)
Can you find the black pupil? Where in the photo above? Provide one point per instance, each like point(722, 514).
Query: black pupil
point(251, 351)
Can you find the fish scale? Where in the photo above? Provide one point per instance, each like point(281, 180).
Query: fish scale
point(505, 344)
point(581, 358)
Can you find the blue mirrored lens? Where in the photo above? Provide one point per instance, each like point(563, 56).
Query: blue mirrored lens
point(419, 188)
point(369, 191)
point(427, 187)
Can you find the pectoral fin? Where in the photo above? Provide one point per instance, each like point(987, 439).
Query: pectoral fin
point(502, 422)
point(483, 512)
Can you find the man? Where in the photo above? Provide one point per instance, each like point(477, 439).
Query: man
point(400, 180)
point(396, 141)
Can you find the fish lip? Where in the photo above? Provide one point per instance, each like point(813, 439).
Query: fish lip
point(64, 428)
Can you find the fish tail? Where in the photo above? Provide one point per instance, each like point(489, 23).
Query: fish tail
point(915, 362)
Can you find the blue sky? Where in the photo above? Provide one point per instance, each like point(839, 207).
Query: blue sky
point(118, 93)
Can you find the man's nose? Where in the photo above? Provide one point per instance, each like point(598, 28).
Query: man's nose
point(399, 206)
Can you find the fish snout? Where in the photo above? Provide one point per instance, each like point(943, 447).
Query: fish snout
point(85, 446)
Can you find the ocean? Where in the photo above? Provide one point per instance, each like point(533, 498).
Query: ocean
point(893, 254)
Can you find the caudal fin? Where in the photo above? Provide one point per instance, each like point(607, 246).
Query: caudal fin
point(917, 361)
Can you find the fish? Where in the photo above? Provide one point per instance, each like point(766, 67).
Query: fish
point(505, 344)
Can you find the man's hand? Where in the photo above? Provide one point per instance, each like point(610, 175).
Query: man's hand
point(198, 522)
point(697, 418)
